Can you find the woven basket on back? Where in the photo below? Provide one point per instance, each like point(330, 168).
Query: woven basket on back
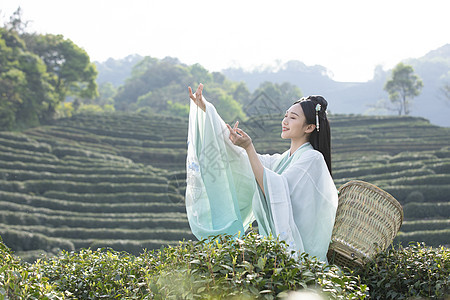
point(367, 220)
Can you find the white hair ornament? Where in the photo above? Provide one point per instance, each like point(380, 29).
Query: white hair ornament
point(318, 107)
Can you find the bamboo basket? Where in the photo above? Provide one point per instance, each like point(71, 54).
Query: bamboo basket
point(367, 220)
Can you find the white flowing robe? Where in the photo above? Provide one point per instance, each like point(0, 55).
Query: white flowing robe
point(222, 196)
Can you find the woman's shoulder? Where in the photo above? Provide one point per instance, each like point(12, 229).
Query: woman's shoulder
point(310, 159)
point(312, 154)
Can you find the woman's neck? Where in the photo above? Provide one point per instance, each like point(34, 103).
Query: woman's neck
point(295, 144)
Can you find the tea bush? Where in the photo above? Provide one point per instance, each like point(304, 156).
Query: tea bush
point(41, 186)
point(115, 198)
point(19, 281)
point(103, 233)
point(22, 152)
point(11, 157)
point(414, 271)
point(417, 225)
point(221, 268)
point(435, 179)
point(23, 175)
point(416, 210)
point(432, 193)
point(255, 267)
point(150, 220)
point(433, 237)
point(25, 241)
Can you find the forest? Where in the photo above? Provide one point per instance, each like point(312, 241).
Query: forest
point(93, 172)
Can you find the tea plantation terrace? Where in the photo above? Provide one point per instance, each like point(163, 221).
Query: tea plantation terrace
point(118, 180)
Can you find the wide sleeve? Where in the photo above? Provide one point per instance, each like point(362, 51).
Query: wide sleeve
point(220, 181)
point(303, 203)
point(268, 160)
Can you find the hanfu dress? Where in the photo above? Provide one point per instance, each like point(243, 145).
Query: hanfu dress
point(222, 195)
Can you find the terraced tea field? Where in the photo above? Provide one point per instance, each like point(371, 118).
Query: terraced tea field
point(118, 180)
point(91, 184)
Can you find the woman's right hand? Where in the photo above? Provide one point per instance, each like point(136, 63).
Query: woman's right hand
point(238, 137)
point(197, 97)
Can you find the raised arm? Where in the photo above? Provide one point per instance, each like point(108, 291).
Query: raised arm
point(197, 97)
point(241, 139)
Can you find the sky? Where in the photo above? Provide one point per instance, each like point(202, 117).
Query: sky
point(348, 37)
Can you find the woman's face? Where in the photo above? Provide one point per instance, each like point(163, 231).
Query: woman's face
point(294, 123)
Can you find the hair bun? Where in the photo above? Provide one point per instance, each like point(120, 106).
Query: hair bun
point(320, 100)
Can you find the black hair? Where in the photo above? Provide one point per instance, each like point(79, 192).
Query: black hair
point(319, 139)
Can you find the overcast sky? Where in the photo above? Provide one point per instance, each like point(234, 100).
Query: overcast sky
point(348, 37)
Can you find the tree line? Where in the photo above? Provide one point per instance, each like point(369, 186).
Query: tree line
point(37, 74)
point(46, 76)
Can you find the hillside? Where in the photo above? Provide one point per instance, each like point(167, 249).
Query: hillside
point(118, 180)
point(73, 186)
point(361, 97)
point(367, 98)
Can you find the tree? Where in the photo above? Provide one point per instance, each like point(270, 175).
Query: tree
point(228, 108)
point(16, 23)
point(402, 87)
point(25, 86)
point(238, 90)
point(74, 74)
point(202, 75)
point(154, 82)
point(160, 86)
point(116, 71)
point(37, 73)
point(106, 93)
point(277, 98)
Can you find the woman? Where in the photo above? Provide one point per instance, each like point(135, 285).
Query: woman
point(290, 195)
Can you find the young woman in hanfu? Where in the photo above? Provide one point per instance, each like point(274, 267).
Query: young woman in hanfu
point(291, 195)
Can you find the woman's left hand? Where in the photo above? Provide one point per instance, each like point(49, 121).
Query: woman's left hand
point(238, 137)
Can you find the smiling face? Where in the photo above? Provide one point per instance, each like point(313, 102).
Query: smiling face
point(294, 125)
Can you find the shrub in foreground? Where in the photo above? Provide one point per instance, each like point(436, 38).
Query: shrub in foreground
point(253, 267)
point(21, 281)
point(249, 268)
point(416, 271)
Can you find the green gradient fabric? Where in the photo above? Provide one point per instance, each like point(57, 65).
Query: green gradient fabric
point(222, 196)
